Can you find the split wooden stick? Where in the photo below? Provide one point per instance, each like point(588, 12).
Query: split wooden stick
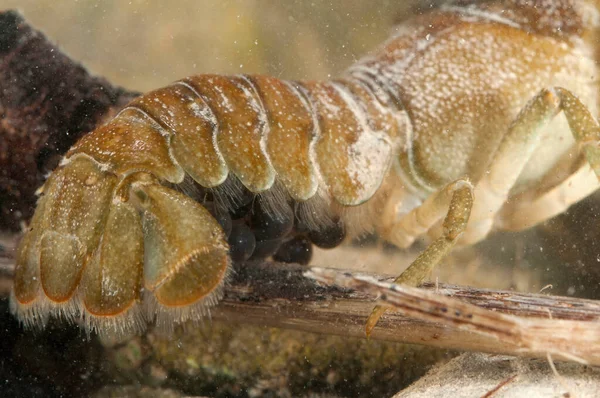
point(447, 316)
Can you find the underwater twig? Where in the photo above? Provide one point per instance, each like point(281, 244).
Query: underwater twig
point(518, 328)
point(447, 316)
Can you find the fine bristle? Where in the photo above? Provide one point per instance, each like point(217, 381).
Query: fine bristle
point(132, 321)
point(69, 310)
point(166, 318)
point(357, 219)
point(275, 201)
point(361, 219)
point(230, 194)
point(35, 315)
point(316, 213)
point(116, 327)
point(190, 188)
point(31, 315)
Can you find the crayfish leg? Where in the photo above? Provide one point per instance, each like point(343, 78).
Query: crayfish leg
point(186, 255)
point(458, 196)
point(111, 281)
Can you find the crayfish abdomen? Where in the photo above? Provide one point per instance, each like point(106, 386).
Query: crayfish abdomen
point(450, 129)
point(280, 159)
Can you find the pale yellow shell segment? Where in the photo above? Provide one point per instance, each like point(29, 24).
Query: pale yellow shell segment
point(379, 110)
point(456, 136)
point(241, 129)
point(352, 159)
point(192, 126)
point(291, 132)
point(131, 142)
point(77, 199)
point(186, 254)
point(112, 278)
point(484, 71)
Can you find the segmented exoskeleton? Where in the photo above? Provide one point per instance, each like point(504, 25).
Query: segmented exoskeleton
point(108, 196)
point(442, 114)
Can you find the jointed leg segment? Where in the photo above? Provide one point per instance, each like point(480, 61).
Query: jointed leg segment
point(492, 191)
point(515, 151)
point(460, 196)
point(421, 219)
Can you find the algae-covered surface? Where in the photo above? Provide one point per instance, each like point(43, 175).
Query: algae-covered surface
point(230, 359)
point(216, 359)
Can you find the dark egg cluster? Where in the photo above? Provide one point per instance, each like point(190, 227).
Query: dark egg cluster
point(255, 232)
